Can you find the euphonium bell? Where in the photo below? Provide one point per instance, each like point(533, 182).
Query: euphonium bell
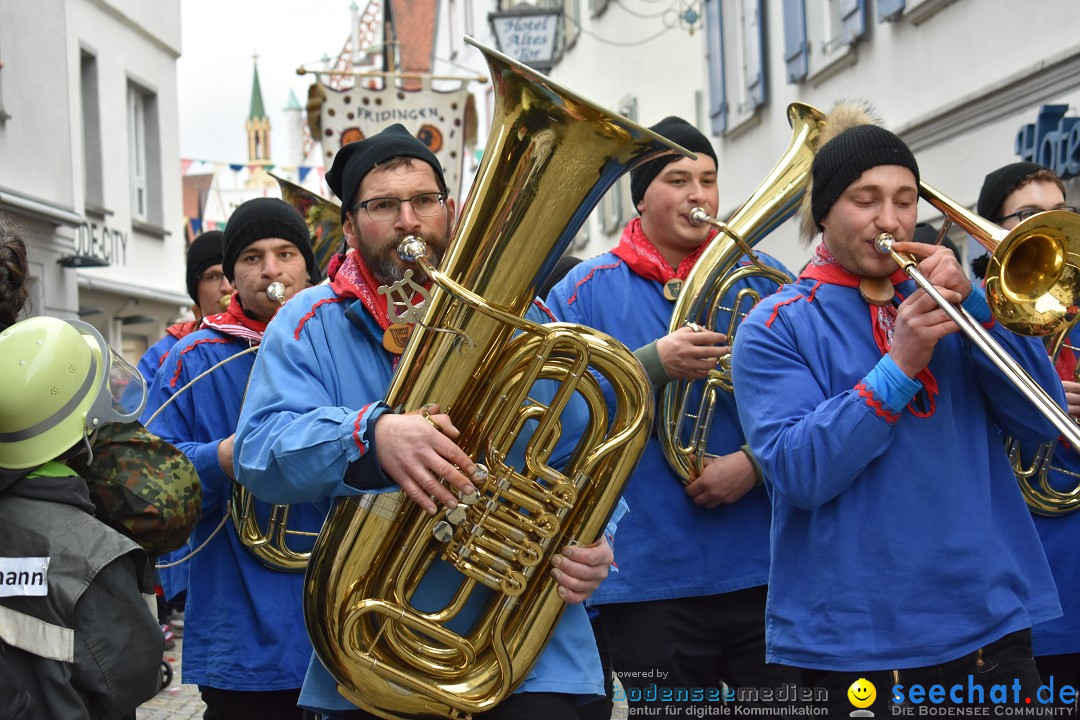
point(271, 541)
point(1034, 472)
point(686, 407)
point(550, 157)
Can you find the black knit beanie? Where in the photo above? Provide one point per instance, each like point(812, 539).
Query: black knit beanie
point(997, 186)
point(357, 159)
point(263, 218)
point(847, 156)
point(678, 131)
point(203, 252)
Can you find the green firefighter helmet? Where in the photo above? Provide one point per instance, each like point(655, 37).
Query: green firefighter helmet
point(62, 382)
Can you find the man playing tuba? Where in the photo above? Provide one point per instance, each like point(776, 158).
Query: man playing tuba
point(313, 427)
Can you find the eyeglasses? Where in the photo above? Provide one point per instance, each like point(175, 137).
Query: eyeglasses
point(386, 209)
point(214, 278)
point(1024, 214)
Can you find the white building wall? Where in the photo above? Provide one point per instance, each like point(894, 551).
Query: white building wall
point(43, 170)
point(955, 78)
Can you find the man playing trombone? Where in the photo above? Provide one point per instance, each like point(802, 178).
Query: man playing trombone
point(902, 551)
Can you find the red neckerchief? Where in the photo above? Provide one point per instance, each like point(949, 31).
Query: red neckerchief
point(638, 252)
point(235, 323)
point(825, 268)
point(353, 279)
point(1065, 364)
point(182, 330)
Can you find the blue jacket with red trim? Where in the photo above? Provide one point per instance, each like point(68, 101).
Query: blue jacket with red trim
point(316, 392)
point(668, 546)
point(241, 618)
point(898, 541)
point(154, 356)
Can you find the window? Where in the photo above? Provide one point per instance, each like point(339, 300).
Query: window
point(617, 207)
point(144, 155)
point(735, 41)
point(91, 121)
point(915, 11)
point(820, 36)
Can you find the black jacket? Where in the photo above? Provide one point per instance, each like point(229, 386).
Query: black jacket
point(86, 645)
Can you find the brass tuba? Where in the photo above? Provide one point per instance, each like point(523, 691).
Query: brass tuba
point(687, 407)
point(549, 158)
point(1034, 474)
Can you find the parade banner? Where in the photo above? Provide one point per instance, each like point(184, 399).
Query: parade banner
point(435, 117)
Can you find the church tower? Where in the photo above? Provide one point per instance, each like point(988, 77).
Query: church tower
point(257, 124)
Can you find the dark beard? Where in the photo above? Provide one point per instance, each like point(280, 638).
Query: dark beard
point(388, 271)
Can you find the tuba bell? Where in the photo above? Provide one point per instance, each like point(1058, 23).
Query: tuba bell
point(549, 158)
point(686, 407)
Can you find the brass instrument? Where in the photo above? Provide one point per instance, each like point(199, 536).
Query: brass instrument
point(1033, 277)
point(270, 545)
point(1034, 475)
point(982, 339)
point(549, 158)
point(1033, 288)
point(687, 406)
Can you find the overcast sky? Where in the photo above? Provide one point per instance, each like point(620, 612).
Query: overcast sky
point(214, 71)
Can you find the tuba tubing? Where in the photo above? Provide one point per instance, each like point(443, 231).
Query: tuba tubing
point(550, 157)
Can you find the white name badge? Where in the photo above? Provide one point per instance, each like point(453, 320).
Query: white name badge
point(24, 576)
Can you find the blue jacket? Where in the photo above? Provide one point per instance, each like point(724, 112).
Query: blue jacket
point(242, 628)
point(1059, 536)
point(315, 393)
point(705, 551)
point(898, 541)
point(151, 360)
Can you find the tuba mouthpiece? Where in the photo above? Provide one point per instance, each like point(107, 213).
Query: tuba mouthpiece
point(698, 216)
point(412, 248)
point(276, 292)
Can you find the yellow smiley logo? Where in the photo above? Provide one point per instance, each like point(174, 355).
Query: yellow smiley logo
point(862, 693)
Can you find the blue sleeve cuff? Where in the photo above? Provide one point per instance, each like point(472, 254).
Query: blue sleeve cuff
point(891, 385)
point(977, 306)
point(364, 473)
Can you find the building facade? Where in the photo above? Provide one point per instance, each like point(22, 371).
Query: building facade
point(88, 167)
point(969, 84)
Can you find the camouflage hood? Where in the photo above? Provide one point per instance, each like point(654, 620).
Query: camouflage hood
point(142, 486)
